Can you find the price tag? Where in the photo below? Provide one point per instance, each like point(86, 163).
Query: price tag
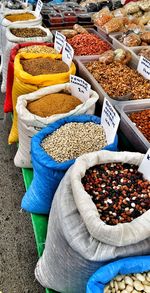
point(59, 41)
point(110, 121)
point(144, 168)
point(80, 88)
point(38, 7)
point(67, 54)
point(144, 67)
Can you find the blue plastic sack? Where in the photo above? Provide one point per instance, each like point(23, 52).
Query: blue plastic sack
point(105, 274)
point(47, 172)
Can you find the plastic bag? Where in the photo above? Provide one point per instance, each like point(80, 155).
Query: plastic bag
point(130, 265)
point(48, 172)
point(29, 124)
point(131, 8)
point(8, 107)
point(25, 83)
point(132, 40)
point(78, 242)
point(113, 25)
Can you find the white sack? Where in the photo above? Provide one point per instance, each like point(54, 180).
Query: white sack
point(29, 124)
point(78, 242)
point(13, 40)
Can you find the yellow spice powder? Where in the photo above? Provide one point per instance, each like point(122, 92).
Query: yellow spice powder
point(19, 17)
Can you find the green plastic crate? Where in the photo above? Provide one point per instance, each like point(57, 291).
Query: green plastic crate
point(39, 222)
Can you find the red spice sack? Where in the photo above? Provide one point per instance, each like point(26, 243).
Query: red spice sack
point(10, 74)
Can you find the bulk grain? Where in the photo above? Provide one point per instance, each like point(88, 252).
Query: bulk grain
point(20, 17)
point(38, 49)
point(142, 121)
point(38, 66)
point(28, 32)
point(74, 139)
point(53, 104)
point(120, 80)
point(119, 192)
point(133, 283)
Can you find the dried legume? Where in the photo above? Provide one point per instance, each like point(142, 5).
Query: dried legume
point(129, 283)
point(53, 104)
point(74, 139)
point(88, 44)
point(118, 190)
point(118, 80)
point(47, 65)
point(142, 121)
point(38, 49)
point(20, 17)
point(28, 32)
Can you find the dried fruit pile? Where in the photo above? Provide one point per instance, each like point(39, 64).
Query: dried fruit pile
point(118, 80)
point(129, 283)
point(118, 190)
point(88, 44)
point(74, 139)
point(142, 121)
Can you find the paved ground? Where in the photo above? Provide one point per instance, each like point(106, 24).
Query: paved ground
point(17, 246)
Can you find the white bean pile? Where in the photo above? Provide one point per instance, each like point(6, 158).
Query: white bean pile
point(133, 283)
point(74, 139)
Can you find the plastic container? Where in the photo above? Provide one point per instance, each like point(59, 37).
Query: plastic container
point(80, 10)
point(70, 17)
point(129, 129)
point(56, 19)
point(84, 19)
point(80, 61)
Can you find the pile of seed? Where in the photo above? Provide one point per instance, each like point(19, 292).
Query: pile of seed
point(38, 49)
point(53, 104)
point(133, 283)
point(20, 17)
point(74, 139)
point(28, 32)
point(142, 121)
point(118, 80)
point(118, 190)
point(46, 65)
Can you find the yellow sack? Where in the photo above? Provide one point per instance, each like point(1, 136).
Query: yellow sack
point(25, 83)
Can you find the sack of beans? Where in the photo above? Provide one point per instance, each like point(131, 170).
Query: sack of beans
point(99, 213)
point(38, 109)
point(33, 71)
point(16, 16)
point(20, 34)
point(29, 47)
point(130, 274)
point(54, 149)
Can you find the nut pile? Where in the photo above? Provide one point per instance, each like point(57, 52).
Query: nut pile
point(88, 44)
point(53, 104)
point(118, 190)
point(142, 121)
point(119, 80)
point(28, 32)
point(74, 139)
point(133, 283)
point(20, 17)
point(38, 49)
point(47, 65)
point(145, 52)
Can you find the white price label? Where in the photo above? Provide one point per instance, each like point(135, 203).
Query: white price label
point(80, 88)
point(59, 41)
point(110, 121)
point(144, 67)
point(144, 168)
point(38, 7)
point(67, 54)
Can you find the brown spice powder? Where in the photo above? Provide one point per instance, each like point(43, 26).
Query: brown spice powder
point(47, 65)
point(53, 104)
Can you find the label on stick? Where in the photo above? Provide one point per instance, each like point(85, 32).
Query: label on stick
point(67, 54)
point(110, 121)
point(144, 67)
point(59, 41)
point(80, 88)
point(38, 7)
point(144, 168)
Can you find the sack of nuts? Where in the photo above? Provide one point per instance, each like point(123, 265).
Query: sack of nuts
point(47, 105)
point(54, 149)
point(99, 213)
